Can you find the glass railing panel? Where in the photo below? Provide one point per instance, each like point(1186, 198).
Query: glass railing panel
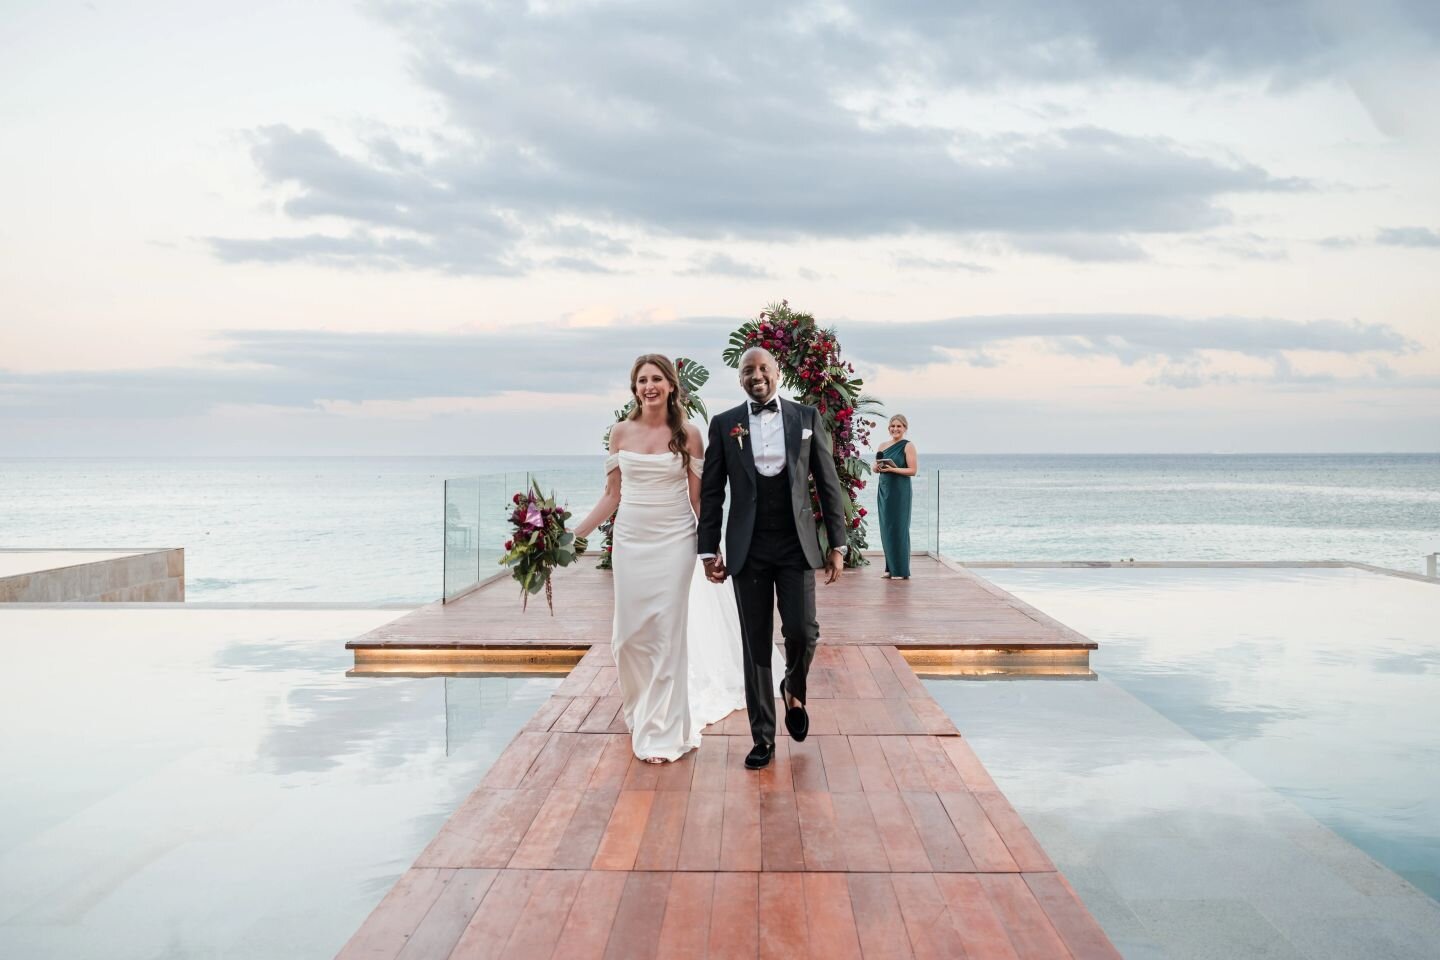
point(462, 533)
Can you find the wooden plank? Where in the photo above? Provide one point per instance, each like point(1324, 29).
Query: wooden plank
point(384, 933)
point(976, 921)
point(861, 680)
point(1028, 854)
point(807, 769)
point(550, 760)
point(981, 839)
point(621, 840)
point(539, 924)
point(971, 770)
point(736, 776)
point(831, 919)
point(927, 918)
point(710, 765)
point(942, 842)
point(704, 824)
point(780, 844)
point(602, 716)
point(841, 774)
point(605, 678)
point(904, 767)
point(932, 718)
point(514, 761)
point(587, 927)
point(740, 840)
point(587, 825)
point(819, 836)
point(546, 715)
point(660, 844)
point(897, 831)
point(685, 931)
point(537, 850)
point(860, 837)
point(496, 844)
point(874, 769)
point(777, 775)
point(940, 773)
point(635, 934)
point(676, 774)
point(446, 921)
point(1076, 927)
point(489, 930)
point(878, 923)
point(783, 926)
point(641, 775)
point(451, 846)
point(905, 674)
point(1025, 921)
point(734, 917)
point(849, 720)
point(581, 765)
point(823, 721)
point(883, 672)
point(875, 715)
point(614, 763)
point(578, 679)
point(903, 718)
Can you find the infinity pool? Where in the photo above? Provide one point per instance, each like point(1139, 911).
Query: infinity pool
point(209, 783)
point(1254, 739)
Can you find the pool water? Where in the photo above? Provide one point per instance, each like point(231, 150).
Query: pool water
point(209, 783)
point(1322, 683)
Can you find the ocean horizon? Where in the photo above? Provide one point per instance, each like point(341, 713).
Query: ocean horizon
point(370, 529)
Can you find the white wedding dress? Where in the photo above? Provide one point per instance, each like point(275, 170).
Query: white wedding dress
point(676, 637)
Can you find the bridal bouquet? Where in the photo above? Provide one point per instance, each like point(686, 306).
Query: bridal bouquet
point(538, 543)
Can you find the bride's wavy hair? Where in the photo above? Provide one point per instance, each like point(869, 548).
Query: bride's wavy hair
point(675, 414)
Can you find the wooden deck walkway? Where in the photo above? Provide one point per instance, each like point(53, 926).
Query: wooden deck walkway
point(879, 836)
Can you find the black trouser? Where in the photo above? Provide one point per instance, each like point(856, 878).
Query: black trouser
point(775, 574)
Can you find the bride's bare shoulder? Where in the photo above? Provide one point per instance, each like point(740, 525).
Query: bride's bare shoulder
point(619, 432)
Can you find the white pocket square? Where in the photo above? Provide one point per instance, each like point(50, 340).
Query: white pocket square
point(805, 433)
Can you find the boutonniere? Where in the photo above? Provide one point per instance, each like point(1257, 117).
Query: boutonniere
point(739, 433)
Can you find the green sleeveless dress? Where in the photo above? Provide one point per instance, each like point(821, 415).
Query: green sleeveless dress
point(895, 514)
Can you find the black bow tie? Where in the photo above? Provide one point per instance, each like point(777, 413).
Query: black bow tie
point(772, 405)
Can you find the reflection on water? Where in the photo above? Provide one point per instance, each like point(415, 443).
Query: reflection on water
point(1324, 684)
point(145, 750)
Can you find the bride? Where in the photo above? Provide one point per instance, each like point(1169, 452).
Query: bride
point(676, 635)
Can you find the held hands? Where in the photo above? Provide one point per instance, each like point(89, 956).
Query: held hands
point(834, 565)
point(715, 569)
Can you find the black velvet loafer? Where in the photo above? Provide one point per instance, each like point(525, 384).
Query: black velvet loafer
point(797, 721)
point(759, 756)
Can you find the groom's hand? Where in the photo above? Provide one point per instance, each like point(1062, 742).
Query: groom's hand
point(834, 564)
point(715, 569)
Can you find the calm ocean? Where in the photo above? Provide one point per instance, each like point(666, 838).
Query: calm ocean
point(370, 529)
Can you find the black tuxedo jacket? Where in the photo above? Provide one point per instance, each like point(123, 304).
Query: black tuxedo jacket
point(729, 461)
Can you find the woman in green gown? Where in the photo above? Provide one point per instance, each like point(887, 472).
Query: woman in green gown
point(896, 464)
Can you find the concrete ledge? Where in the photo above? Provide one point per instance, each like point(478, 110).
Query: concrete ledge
point(136, 576)
point(1186, 564)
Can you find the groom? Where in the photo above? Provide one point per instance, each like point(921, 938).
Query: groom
point(767, 450)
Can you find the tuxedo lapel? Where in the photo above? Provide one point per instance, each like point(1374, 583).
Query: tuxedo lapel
point(747, 448)
point(791, 413)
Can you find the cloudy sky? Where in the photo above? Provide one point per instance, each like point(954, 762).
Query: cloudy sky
point(396, 228)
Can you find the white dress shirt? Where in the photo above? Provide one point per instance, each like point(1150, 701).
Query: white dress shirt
point(767, 439)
